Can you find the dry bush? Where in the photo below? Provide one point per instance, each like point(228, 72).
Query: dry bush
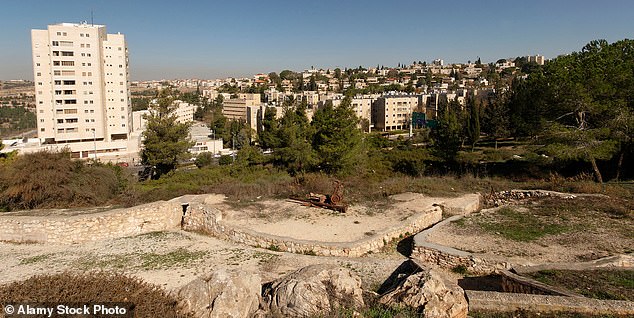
point(51, 179)
point(97, 287)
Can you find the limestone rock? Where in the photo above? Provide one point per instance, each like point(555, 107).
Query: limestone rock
point(221, 294)
point(429, 293)
point(313, 290)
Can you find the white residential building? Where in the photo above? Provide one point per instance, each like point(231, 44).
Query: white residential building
point(393, 112)
point(82, 90)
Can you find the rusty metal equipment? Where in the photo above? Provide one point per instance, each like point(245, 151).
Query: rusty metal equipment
point(333, 201)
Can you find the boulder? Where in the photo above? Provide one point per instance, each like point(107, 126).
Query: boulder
point(428, 292)
point(221, 294)
point(313, 290)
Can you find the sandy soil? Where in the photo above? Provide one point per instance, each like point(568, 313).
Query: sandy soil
point(292, 219)
point(308, 223)
point(172, 259)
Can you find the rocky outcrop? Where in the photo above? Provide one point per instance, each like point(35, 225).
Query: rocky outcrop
point(221, 294)
point(428, 292)
point(312, 290)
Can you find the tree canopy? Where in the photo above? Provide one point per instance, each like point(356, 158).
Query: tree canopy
point(165, 141)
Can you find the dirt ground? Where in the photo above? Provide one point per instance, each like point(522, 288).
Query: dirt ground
point(290, 219)
point(172, 259)
point(586, 232)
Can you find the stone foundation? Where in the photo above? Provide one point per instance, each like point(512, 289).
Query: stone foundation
point(206, 219)
point(63, 229)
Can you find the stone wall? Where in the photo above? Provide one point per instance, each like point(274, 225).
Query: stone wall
point(449, 258)
point(64, 229)
point(206, 219)
point(509, 302)
point(513, 283)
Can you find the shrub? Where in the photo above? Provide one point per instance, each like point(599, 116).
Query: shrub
point(225, 160)
point(51, 179)
point(204, 159)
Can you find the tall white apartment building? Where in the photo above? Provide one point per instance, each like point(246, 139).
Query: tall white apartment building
point(82, 88)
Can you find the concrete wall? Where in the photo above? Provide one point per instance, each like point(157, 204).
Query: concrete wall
point(63, 229)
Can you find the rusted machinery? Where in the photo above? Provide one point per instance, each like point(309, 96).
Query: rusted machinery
point(333, 201)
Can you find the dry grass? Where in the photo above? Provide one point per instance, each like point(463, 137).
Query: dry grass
point(144, 299)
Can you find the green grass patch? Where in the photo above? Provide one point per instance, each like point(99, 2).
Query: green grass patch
point(35, 259)
point(178, 257)
point(598, 284)
point(521, 226)
point(104, 262)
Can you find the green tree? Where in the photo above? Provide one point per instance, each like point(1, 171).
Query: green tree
point(473, 122)
point(268, 136)
point(165, 141)
point(294, 150)
point(496, 118)
point(447, 133)
point(337, 138)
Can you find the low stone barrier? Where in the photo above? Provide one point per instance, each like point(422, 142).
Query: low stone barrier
point(64, 229)
point(513, 283)
point(450, 258)
point(207, 219)
point(509, 302)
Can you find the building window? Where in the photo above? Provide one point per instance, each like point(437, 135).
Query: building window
point(67, 53)
point(70, 111)
point(60, 121)
point(56, 63)
point(57, 72)
point(55, 43)
point(42, 129)
point(68, 63)
point(68, 73)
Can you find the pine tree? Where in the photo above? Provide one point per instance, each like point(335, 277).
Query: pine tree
point(165, 141)
point(337, 138)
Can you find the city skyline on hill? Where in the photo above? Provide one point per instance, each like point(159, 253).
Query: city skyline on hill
point(198, 39)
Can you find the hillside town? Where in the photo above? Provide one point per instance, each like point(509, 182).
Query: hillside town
point(384, 99)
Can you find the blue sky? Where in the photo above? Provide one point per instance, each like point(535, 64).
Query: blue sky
point(216, 39)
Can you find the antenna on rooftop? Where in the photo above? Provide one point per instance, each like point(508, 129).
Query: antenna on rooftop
point(92, 19)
